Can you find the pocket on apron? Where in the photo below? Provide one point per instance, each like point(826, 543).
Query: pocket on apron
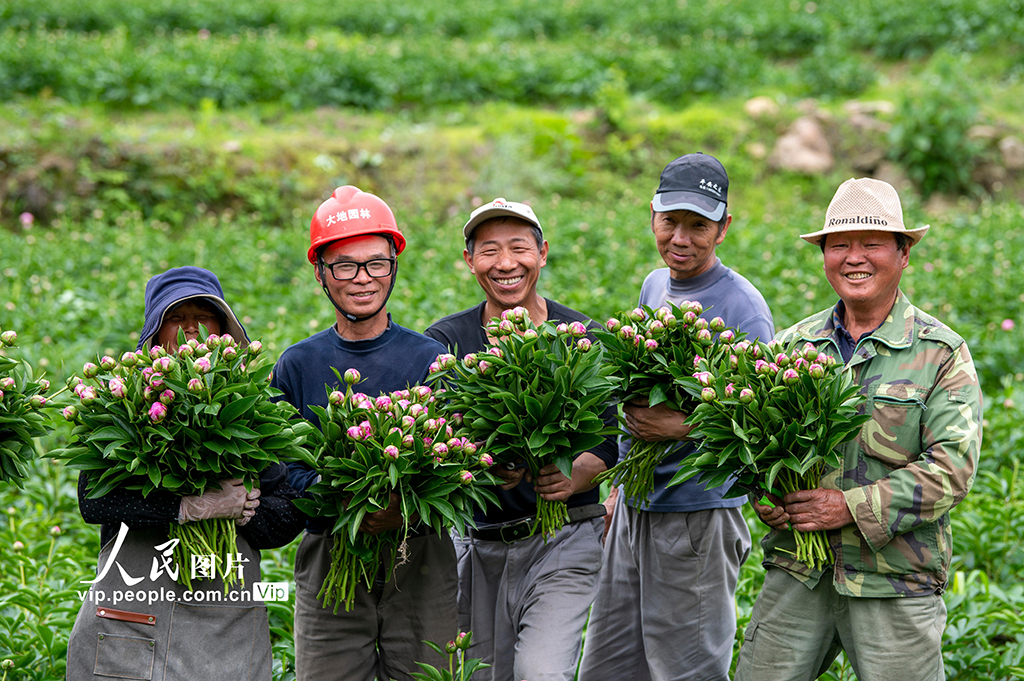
point(124, 657)
point(212, 641)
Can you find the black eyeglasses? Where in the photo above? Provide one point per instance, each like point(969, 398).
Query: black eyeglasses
point(349, 269)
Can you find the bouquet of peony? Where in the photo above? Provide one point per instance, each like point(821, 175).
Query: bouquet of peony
point(182, 424)
point(21, 396)
point(654, 353)
point(773, 420)
point(373, 449)
point(534, 396)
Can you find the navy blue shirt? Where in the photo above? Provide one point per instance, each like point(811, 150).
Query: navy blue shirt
point(394, 360)
point(465, 332)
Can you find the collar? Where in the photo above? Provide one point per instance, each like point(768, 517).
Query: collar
point(897, 331)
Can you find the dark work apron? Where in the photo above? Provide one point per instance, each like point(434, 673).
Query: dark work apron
point(217, 637)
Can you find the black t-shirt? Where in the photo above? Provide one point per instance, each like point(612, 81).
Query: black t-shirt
point(463, 333)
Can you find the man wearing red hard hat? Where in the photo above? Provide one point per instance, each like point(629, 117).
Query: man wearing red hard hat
point(354, 248)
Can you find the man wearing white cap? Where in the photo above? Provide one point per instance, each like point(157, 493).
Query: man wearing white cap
point(524, 598)
point(665, 609)
point(886, 510)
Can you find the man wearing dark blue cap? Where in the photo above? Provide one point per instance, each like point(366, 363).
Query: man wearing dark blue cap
point(665, 606)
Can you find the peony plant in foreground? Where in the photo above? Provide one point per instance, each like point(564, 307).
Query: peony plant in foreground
point(773, 418)
point(21, 397)
point(181, 423)
point(397, 449)
point(653, 352)
point(535, 397)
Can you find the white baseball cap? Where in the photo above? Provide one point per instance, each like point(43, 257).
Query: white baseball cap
point(500, 208)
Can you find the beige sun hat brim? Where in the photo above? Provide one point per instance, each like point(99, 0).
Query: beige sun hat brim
point(914, 235)
point(865, 204)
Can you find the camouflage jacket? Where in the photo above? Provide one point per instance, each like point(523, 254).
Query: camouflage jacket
point(909, 465)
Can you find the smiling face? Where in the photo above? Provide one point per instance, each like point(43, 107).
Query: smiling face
point(864, 268)
point(364, 294)
point(687, 240)
point(187, 316)
point(507, 262)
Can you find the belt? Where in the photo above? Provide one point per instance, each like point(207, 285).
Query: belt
point(516, 530)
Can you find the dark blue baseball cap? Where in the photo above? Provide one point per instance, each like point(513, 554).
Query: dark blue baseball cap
point(696, 182)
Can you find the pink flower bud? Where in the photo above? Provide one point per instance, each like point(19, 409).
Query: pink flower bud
point(483, 366)
point(613, 324)
point(6, 382)
point(775, 346)
point(717, 325)
point(782, 359)
point(213, 341)
point(18, 547)
point(727, 336)
point(638, 340)
point(335, 397)
point(810, 352)
point(167, 397)
point(530, 334)
point(70, 413)
point(756, 351)
point(656, 328)
point(202, 350)
point(36, 401)
point(255, 348)
point(577, 329)
point(354, 433)
point(165, 364)
point(486, 460)
point(661, 313)
point(637, 314)
point(651, 344)
point(450, 647)
point(468, 447)
point(746, 395)
point(562, 329)
point(506, 328)
point(227, 340)
point(229, 353)
point(156, 381)
point(117, 388)
point(383, 403)
point(408, 441)
point(701, 324)
point(26, 219)
point(774, 367)
point(79, 389)
point(148, 394)
point(55, 531)
point(761, 367)
point(365, 404)
point(195, 386)
point(157, 412)
point(465, 477)
point(72, 382)
point(742, 346)
point(821, 358)
point(352, 376)
point(704, 336)
point(90, 370)
point(88, 395)
point(421, 391)
point(584, 344)
point(107, 363)
point(455, 445)
point(186, 351)
point(408, 422)
point(816, 371)
point(469, 361)
point(689, 318)
point(391, 452)
point(417, 410)
point(156, 351)
point(670, 321)
point(800, 364)
point(704, 378)
point(790, 377)
point(447, 361)
point(463, 639)
point(430, 425)
point(496, 352)
point(708, 395)
point(202, 366)
point(627, 332)
point(730, 389)
point(9, 337)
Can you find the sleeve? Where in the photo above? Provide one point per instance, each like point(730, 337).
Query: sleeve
point(608, 450)
point(300, 475)
point(277, 521)
point(940, 477)
point(127, 506)
point(434, 332)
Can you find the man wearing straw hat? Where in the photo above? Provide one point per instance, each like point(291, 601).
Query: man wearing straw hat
point(886, 510)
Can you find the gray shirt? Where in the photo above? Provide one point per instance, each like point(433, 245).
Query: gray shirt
point(725, 294)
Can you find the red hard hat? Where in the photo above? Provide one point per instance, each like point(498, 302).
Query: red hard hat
point(352, 212)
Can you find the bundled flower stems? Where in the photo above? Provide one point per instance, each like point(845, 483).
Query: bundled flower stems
point(21, 397)
point(535, 396)
point(182, 424)
point(654, 353)
point(376, 451)
point(773, 418)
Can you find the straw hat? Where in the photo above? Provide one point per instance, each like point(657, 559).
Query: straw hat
point(865, 204)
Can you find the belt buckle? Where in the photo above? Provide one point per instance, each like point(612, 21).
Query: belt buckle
point(513, 532)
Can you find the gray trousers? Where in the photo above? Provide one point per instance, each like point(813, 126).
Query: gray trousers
point(526, 602)
point(665, 609)
point(382, 636)
point(795, 633)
